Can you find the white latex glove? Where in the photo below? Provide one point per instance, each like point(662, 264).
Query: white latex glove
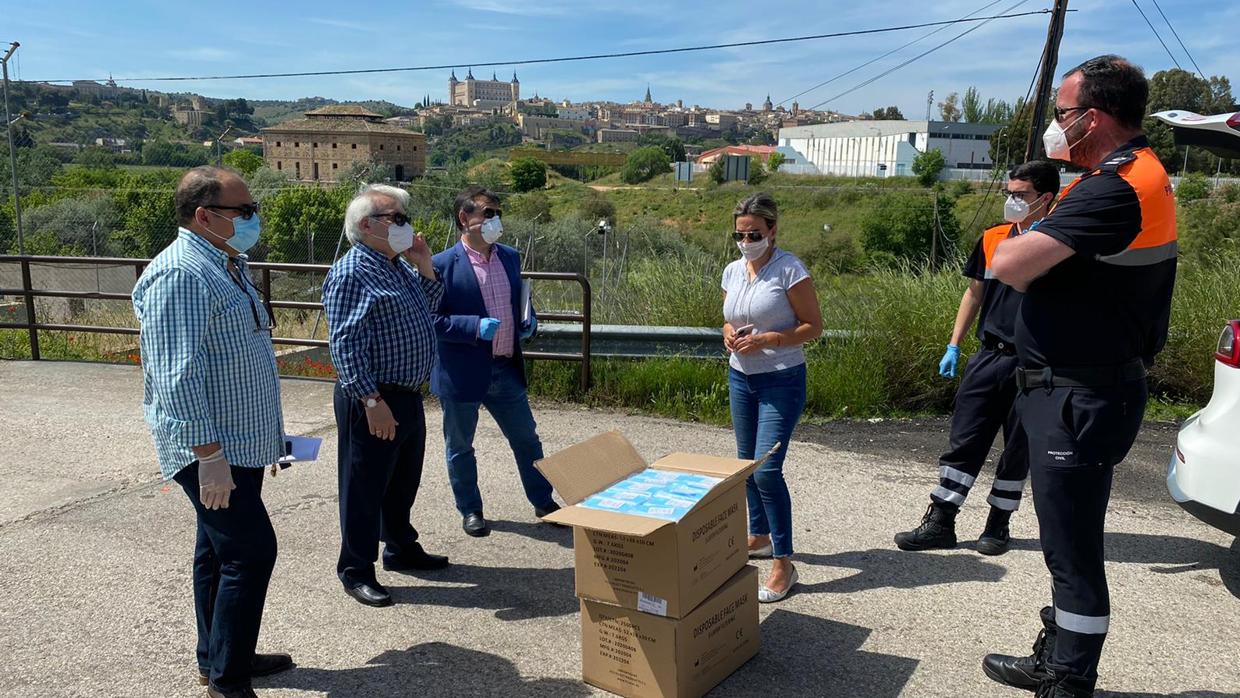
point(215, 483)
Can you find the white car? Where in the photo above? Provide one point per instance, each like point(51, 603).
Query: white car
point(1204, 475)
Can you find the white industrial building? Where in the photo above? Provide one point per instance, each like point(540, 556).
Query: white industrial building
point(887, 148)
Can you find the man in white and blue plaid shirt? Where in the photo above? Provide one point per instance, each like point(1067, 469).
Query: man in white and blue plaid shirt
point(212, 402)
point(379, 298)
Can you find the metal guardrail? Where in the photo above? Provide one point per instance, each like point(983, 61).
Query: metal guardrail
point(28, 293)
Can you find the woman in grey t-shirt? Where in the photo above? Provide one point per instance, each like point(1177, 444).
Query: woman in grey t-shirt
point(770, 310)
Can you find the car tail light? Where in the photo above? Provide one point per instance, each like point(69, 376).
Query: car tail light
point(1229, 344)
point(1234, 121)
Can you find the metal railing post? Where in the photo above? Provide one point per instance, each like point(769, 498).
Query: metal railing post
point(31, 325)
point(585, 333)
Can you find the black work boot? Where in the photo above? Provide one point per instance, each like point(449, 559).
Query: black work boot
point(1059, 685)
point(1025, 672)
point(996, 538)
point(937, 530)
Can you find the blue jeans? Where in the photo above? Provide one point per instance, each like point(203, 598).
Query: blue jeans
point(765, 409)
point(509, 405)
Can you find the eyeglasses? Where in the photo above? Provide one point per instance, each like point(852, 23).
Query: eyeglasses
point(1061, 112)
point(1024, 195)
point(489, 213)
point(248, 211)
point(396, 218)
point(752, 235)
point(242, 282)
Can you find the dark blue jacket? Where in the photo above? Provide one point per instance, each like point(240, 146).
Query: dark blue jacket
point(462, 370)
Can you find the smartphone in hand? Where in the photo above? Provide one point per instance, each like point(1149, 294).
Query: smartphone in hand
point(742, 330)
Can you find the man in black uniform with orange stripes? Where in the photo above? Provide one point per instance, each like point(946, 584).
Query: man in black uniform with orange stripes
point(988, 389)
point(1098, 275)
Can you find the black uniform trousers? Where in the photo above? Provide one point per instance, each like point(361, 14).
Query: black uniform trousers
point(1076, 438)
point(983, 406)
point(378, 481)
point(233, 559)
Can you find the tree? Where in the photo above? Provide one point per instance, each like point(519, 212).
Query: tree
point(243, 161)
point(971, 106)
point(716, 171)
point(891, 113)
point(596, 206)
point(95, 158)
point(774, 162)
point(948, 108)
point(671, 145)
point(645, 164)
point(531, 206)
point(757, 174)
point(297, 216)
point(527, 174)
point(901, 226)
point(79, 225)
point(928, 165)
point(1007, 145)
point(365, 172)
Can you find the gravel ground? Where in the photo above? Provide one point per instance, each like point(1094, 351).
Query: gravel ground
point(95, 551)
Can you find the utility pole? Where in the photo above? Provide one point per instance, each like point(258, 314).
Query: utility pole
point(929, 103)
point(1046, 76)
point(8, 126)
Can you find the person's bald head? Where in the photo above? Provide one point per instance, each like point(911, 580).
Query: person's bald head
point(207, 186)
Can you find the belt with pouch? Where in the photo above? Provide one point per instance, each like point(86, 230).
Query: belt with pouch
point(1081, 376)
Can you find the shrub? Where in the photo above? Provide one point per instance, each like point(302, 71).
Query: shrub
point(527, 174)
point(757, 175)
point(645, 164)
point(927, 166)
point(775, 160)
point(1192, 187)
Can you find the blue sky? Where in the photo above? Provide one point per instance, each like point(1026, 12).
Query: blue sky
point(72, 39)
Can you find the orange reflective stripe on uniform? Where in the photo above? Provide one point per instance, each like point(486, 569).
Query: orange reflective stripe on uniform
point(990, 242)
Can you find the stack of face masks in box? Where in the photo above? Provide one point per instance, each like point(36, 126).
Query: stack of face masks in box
point(658, 494)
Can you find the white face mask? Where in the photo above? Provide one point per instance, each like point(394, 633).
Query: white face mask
point(1015, 210)
point(754, 250)
point(1056, 140)
point(491, 229)
point(400, 237)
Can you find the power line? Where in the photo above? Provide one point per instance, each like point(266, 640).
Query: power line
point(1156, 34)
point(566, 59)
point(1177, 38)
point(895, 50)
point(889, 71)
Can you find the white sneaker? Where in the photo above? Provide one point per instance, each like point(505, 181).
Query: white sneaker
point(766, 595)
point(763, 552)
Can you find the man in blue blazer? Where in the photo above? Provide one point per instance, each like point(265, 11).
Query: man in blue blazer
point(479, 364)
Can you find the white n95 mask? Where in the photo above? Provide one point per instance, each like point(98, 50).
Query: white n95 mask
point(491, 229)
point(400, 237)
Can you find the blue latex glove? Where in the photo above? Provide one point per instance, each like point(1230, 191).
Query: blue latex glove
point(528, 330)
point(947, 366)
point(487, 328)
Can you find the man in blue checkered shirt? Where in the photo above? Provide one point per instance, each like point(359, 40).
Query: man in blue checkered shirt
point(379, 298)
point(212, 401)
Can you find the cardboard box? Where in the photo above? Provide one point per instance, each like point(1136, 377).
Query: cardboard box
point(639, 655)
point(662, 567)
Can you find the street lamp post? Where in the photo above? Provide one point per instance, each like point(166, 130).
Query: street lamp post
point(219, 159)
point(8, 126)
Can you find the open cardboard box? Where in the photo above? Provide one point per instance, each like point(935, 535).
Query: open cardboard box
point(653, 565)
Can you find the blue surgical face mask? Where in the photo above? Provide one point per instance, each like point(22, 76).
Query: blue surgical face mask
point(245, 232)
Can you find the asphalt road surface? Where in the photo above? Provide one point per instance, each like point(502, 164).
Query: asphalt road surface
point(95, 561)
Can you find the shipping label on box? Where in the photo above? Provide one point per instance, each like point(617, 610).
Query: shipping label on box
point(639, 655)
point(644, 560)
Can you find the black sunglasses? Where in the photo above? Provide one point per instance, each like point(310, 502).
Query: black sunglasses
point(396, 218)
point(1061, 112)
point(489, 213)
point(752, 236)
point(248, 211)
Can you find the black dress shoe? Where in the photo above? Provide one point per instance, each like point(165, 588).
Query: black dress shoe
point(247, 692)
point(475, 525)
point(551, 508)
point(416, 560)
point(262, 665)
point(369, 593)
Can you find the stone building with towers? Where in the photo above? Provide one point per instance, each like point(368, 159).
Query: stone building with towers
point(322, 146)
point(483, 94)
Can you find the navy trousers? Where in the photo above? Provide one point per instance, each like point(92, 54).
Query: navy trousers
point(378, 482)
point(233, 559)
point(983, 406)
point(1076, 438)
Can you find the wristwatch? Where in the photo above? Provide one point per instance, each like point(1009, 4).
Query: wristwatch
point(373, 402)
